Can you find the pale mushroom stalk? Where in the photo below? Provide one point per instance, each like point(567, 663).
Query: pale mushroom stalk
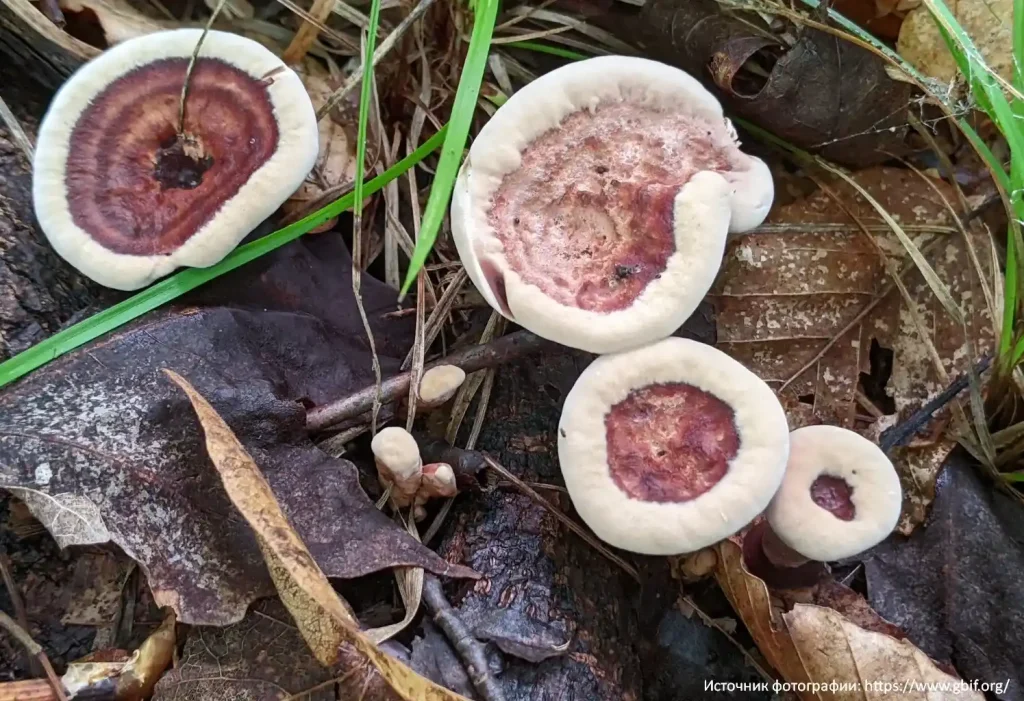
point(839, 497)
point(398, 464)
point(671, 447)
point(126, 196)
point(593, 207)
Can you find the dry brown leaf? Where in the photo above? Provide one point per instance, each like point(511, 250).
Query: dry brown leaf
point(987, 22)
point(826, 653)
point(324, 619)
point(118, 19)
point(336, 163)
point(789, 290)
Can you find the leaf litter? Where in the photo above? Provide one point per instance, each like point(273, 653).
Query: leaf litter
point(100, 439)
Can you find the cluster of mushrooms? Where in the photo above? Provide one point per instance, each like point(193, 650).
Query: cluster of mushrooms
point(593, 209)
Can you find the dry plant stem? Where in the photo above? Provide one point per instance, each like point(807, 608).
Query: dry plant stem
point(385, 46)
point(469, 649)
point(17, 133)
point(192, 65)
point(19, 606)
point(503, 350)
point(33, 648)
point(569, 523)
point(308, 32)
point(51, 8)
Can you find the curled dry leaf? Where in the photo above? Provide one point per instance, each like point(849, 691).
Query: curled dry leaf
point(988, 23)
point(102, 446)
point(820, 93)
point(816, 645)
point(118, 20)
point(323, 617)
point(788, 291)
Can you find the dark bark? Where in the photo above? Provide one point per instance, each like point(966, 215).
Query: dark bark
point(542, 585)
point(39, 292)
point(33, 46)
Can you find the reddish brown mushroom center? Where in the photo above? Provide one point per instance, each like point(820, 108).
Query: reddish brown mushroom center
point(139, 187)
point(670, 442)
point(588, 217)
point(834, 494)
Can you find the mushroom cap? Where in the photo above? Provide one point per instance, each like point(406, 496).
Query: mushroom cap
point(620, 238)
point(124, 200)
point(839, 497)
point(440, 383)
point(671, 447)
point(397, 449)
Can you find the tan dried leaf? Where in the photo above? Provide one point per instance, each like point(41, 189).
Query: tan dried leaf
point(815, 645)
point(804, 292)
point(117, 18)
point(987, 22)
point(323, 617)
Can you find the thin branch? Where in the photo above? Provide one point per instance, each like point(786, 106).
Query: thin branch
point(192, 64)
point(503, 350)
point(35, 649)
point(469, 649)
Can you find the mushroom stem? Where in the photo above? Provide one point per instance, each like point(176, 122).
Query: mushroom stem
point(398, 464)
point(778, 553)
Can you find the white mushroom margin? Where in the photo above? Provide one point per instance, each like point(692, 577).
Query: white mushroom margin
point(272, 183)
point(655, 528)
point(707, 207)
point(877, 496)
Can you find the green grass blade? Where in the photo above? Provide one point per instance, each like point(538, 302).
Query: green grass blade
point(458, 132)
point(365, 95)
point(187, 280)
point(1018, 53)
point(547, 49)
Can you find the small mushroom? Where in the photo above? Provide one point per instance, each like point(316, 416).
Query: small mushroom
point(398, 463)
point(438, 482)
point(839, 497)
point(126, 193)
point(439, 384)
point(593, 207)
point(671, 447)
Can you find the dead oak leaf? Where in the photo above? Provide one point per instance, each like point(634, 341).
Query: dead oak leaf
point(821, 649)
point(799, 302)
point(325, 620)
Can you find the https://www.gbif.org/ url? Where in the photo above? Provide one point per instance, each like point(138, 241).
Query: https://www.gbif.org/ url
point(953, 686)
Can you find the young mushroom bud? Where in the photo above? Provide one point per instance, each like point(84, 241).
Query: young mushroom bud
point(438, 482)
point(126, 191)
point(671, 447)
point(839, 497)
point(593, 207)
point(439, 384)
point(398, 464)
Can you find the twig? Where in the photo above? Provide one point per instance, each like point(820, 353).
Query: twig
point(473, 358)
point(192, 64)
point(385, 46)
point(900, 433)
point(17, 133)
point(35, 649)
point(308, 32)
point(51, 8)
point(469, 649)
point(569, 523)
point(18, 604)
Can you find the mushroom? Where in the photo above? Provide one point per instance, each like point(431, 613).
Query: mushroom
point(438, 482)
point(593, 207)
point(439, 384)
point(126, 196)
point(839, 497)
point(671, 447)
point(398, 463)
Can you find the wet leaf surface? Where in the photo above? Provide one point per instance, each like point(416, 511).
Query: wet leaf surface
point(954, 585)
point(821, 93)
point(103, 446)
point(787, 292)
